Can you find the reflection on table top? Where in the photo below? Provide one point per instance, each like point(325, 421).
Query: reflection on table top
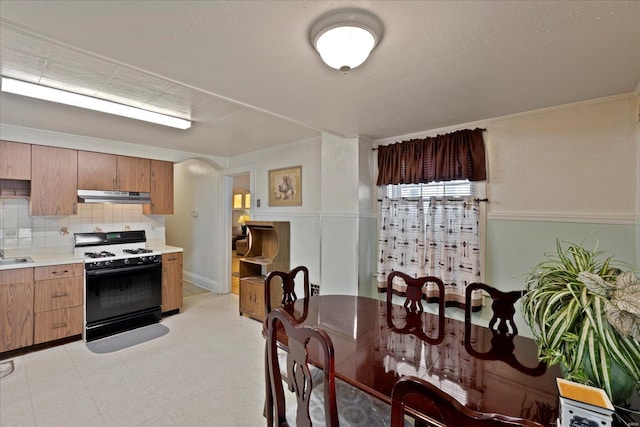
point(376, 344)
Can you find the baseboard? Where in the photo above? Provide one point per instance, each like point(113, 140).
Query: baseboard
point(201, 281)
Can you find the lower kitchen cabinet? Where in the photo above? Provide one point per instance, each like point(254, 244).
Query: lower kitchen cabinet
point(58, 302)
point(171, 281)
point(16, 308)
point(56, 324)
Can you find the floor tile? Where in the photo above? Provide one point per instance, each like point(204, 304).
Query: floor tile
point(208, 370)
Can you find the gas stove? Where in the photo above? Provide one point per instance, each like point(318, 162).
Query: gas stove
point(123, 282)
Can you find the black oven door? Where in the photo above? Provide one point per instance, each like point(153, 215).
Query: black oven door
point(123, 291)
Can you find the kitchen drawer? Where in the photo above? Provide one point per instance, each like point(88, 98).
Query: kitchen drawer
point(56, 324)
point(58, 293)
point(59, 271)
point(17, 275)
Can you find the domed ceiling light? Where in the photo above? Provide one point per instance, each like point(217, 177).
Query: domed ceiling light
point(344, 38)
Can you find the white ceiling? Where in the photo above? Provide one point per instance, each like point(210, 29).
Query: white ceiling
point(245, 72)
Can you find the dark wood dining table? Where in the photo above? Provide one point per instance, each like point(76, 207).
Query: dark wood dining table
point(377, 343)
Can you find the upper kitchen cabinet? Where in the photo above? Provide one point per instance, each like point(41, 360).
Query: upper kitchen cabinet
point(15, 160)
point(100, 171)
point(96, 171)
point(134, 174)
point(161, 189)
point(54, 181)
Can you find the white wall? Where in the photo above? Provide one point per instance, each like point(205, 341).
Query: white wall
point(195, 223)
point(578, 163)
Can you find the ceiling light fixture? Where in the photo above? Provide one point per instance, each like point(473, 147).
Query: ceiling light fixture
point(344, 38)
point(63, 97)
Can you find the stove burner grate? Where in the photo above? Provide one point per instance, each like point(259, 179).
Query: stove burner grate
point(103, 254)
point(137, 251)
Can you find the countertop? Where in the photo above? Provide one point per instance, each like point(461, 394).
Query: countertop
point(47, 259)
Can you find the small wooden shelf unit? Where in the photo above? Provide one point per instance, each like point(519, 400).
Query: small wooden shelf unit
point(268, 251)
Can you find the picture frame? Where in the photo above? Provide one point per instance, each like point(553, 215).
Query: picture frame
point(285, 186)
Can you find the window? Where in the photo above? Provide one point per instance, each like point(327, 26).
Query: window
point(434, 189)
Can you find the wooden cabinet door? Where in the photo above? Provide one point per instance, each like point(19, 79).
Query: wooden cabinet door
point(56, 324)
point(55, 294)
point(96, 171)
point(16, 308)
point(247, 295)
point(171, 281)
point(252, 297)
point(134, 174)
point(161, 189)
point(15, 160)
point(54, 181)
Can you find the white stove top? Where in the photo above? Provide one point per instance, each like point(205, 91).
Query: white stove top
point(111, 252)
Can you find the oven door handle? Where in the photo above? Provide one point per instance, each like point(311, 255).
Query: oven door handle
point(123, 269)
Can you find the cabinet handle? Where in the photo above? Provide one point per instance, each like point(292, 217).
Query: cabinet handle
point(59, 325)
point(60, 272)
point(172, 259)
point(60, 295)
point(115, 184)
point(75, 208)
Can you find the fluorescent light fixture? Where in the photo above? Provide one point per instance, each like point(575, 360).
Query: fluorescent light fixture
point(63, 97)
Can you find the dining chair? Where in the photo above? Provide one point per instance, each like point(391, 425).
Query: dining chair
point(503, 306)
point(414, 290)
point(333, 402)
point(288, 285)
point(432, 404)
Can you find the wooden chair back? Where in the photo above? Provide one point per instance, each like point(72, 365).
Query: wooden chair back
point(503, 306)
point(301, 339)
point(431, 404)
point(288, 285)
point(413, 301)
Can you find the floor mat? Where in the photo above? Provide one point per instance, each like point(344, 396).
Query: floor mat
point(127, 339)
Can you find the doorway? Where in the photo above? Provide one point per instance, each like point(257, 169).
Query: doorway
point(240, 213)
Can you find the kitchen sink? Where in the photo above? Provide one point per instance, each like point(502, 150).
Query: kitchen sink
point(12, 261)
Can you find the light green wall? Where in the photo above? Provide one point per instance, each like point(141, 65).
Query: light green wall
point(514, 247)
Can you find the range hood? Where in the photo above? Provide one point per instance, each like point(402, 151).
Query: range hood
point(124, 197)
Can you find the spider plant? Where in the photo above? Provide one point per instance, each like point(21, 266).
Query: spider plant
point(585, 314)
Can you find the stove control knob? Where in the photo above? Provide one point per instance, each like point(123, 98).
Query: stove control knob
point(107, 263)
point(126, 260)
point(98, 264)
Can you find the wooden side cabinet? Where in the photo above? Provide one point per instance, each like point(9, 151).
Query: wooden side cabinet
point(171, 281)
point(269, 251)
point(16, 308)
point(58, 302)
point(161, 189)
point(54, 181)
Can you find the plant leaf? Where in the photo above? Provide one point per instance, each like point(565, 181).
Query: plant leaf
point(626, 323)
point(627, 280)
point(595, 283)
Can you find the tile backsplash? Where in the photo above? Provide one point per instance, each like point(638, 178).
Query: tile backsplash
point(19, 230)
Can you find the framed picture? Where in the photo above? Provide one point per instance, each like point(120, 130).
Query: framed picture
point(285, 186)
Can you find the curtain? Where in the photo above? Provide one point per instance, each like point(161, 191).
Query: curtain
point(431, 237)
point(449, 157)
